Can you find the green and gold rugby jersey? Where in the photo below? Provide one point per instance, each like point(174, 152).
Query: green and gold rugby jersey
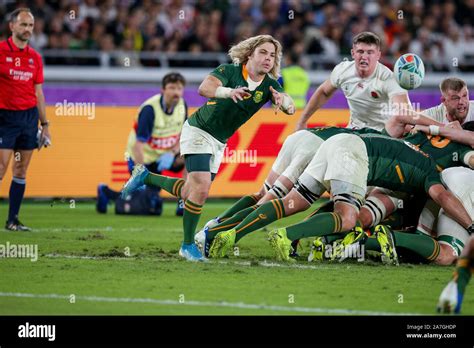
point(222, 117)
point(445, 152)
point(399, 165)
point(326, 132)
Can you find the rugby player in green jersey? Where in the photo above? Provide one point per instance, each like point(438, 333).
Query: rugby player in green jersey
point(344, 165)
point(429, 221)
point(450, 237)
point(368, 159)
point(449, 147)
point(235, 93)
point(295, 159)
point(447, 155)
point(297, 151)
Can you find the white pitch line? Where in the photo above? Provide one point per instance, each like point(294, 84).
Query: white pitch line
point(89, 229)
point(240, 305)
point(220, 262)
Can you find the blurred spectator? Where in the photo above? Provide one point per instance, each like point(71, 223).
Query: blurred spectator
point(126, 55)
point(132, 31)
point(39, 39)
point(443, 30)
point(454, 49)
point(41, 9)
point(88, 8)
point(295, 80)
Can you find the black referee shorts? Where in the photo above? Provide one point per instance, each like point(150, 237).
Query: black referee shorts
point(19, 129)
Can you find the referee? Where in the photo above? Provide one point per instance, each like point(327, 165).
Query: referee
point(22, 106)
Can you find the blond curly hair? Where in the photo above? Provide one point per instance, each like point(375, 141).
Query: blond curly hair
point(240, 52)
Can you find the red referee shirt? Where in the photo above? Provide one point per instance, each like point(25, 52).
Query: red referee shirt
point(20, 71)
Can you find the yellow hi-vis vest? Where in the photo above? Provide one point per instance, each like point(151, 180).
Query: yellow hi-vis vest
point(296, 84)
point(166, 130)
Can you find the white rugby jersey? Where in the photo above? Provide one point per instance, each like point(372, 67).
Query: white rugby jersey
point(438, 113)
point(368, 98)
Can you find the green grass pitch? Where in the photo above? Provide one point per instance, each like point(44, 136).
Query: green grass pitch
point(107, 264)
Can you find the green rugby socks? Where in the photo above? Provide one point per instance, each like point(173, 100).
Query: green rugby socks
point(230, 222)
point(191, 216)
point(244, 202)
point(462, 274)
point(423, 245)
point(316, 226)
point(169, 184)
point(264, 215)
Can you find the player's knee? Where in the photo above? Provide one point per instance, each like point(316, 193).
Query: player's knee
point(446, 256)
point(19, 171)
point(294, 202)
point(199, 182)
point(200, 192)
point(258, 195)
point(348, 222)
point(348, 213)
point(365, 217)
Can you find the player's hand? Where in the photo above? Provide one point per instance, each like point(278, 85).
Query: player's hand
point(277, 98)
point(419, 128)
point(454, 125)
point(416, 129)
point(239, 94)
point(165, 162)
point(45, 137)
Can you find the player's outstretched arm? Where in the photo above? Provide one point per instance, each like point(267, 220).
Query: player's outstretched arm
point(404, 115)
point(317, 100)
point(459, 135)
point(212, 87)
point(401, 106)
point(395, 126)
point(208, 87)
point(451, 205)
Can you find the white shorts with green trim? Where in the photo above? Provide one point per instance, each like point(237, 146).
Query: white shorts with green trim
point(196, 141)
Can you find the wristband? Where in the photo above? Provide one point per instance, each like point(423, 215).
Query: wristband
point(46, 123)
point(223, 92)
point(434, 130)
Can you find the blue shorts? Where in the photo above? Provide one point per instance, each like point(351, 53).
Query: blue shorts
point(19, 129)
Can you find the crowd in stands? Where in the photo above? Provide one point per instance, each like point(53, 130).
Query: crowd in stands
point(441, 32)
